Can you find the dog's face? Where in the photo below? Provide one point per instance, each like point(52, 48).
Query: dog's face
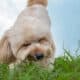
point(32, 44)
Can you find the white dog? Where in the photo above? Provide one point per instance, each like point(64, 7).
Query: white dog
point(30, 37)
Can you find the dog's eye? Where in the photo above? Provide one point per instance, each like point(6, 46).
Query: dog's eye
point(42, 40)
point(26, 44)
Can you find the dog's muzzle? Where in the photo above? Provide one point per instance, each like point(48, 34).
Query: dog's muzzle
point(36, 57)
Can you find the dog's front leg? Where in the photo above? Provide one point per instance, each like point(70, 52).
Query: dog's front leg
point(14, 64)
point(21, 56)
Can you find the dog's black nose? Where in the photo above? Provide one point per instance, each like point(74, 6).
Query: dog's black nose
point(39, 56)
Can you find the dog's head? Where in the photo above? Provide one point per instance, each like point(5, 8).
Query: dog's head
point(32, 43)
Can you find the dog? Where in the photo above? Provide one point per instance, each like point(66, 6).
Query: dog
point(30, 38)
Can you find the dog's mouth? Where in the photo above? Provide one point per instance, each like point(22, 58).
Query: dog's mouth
point(31, 58)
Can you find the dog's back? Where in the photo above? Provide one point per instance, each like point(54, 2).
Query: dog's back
point(41, 2)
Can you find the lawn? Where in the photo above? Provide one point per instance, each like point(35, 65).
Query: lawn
point(66, 67)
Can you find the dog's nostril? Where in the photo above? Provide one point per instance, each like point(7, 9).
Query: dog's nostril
point(39, 56)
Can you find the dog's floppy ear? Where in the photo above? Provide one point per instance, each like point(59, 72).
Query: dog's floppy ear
point(5, 51)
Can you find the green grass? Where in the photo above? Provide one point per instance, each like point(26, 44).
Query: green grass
point(66, 67)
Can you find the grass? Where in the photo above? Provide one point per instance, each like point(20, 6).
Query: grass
point(66, 67)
